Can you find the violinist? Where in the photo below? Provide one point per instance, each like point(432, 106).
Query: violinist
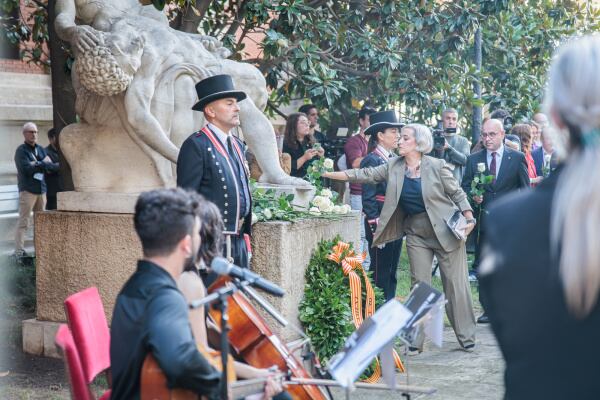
point(192, 287)
point(151, 314)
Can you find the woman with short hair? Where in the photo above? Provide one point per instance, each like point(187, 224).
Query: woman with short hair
point(421, 194)
point(541, 270)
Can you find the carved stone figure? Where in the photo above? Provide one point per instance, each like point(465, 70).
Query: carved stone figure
point(134, 78)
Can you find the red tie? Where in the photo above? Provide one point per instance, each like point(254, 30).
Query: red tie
point(493, 166)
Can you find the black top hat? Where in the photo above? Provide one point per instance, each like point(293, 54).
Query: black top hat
point(215, 88)
point(382, 120)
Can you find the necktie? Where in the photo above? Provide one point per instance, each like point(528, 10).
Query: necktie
point(493, 166)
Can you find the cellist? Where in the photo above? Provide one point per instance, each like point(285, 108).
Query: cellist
point(151, 314)
point(192, 287)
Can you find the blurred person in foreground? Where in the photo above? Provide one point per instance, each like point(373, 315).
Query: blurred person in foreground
point(421, 193)
point(541, 269)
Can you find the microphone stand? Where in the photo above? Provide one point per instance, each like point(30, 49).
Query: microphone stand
point(219, 298)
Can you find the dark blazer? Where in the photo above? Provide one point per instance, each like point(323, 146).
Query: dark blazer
point(204, 165)
point(549, 354)
point(24, 156)
point(512, 176)
point(373, 194)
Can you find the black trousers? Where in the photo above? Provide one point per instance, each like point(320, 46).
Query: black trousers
point(50, 201)
point(384, 263)
point(239, 253)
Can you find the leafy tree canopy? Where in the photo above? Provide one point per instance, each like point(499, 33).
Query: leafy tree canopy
point(413, 53)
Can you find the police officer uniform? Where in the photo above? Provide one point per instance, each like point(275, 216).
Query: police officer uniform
point(384, 261)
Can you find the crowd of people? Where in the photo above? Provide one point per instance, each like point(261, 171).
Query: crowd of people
point(542, 304)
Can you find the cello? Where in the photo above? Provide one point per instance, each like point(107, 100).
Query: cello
point(253, 340)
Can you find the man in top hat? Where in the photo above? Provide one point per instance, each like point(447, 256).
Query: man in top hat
point(211, 162)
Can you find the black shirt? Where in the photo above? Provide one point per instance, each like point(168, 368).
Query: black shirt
point(151, 315)
point(24, 156)
point(295, 154)
point(411, 198)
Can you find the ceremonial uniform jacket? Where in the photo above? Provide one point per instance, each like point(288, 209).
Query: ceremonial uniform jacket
point(373, 194)
point(205, 166)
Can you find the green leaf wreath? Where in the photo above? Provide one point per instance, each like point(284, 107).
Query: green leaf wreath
point(325, 310)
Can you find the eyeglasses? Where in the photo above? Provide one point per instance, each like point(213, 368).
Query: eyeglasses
point(489, 134)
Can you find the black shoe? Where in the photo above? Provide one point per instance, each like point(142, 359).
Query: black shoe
point(484, 319)
point(469, 348)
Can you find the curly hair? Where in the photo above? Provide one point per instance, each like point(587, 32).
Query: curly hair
point(211, 232)
point(99, 72)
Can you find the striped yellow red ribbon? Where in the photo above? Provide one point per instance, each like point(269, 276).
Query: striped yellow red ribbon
point(351, 262)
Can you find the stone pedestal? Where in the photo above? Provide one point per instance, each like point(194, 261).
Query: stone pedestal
point(76, 250)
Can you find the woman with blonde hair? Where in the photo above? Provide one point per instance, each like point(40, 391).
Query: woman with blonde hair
point(421, 193)
point(541, 271)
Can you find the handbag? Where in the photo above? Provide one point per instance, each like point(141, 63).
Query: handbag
point(457, 223)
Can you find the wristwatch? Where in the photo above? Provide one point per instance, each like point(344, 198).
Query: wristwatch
point(471, 221)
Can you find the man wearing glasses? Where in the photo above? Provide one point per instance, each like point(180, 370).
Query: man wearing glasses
point(509, 171)
point(32, 163)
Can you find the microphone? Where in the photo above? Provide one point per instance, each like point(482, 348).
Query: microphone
point(221, 266)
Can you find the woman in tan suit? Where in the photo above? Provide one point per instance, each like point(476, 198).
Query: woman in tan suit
point(421, 194)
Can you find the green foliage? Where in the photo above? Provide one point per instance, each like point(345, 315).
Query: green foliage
point(17, 286)
point(325, 309)
point(31, 32)
point(414, 54)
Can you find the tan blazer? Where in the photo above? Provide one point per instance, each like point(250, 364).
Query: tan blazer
point(442, 196)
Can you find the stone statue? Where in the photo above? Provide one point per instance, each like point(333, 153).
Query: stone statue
point(134, 78)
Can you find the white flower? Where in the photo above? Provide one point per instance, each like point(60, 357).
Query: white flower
point(326, 206)
point(480, 167)
point(318, 200)
point(267, 213)
point(326, 193)
point(347, 208)
point(328, 163)
point(254, 218)
point(547, 158)
point(314, 211)
point(338, 209)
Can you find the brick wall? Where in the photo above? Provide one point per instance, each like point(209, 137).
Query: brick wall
point(7, 65)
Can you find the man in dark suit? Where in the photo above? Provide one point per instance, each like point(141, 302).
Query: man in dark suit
point(211, 162)
point(509, 170)
point(544, 156)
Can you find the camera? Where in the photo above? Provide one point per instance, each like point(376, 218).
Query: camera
point(439, 140)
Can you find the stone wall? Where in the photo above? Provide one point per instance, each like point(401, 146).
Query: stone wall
point(76, 250)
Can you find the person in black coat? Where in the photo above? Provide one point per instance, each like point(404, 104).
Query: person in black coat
point(211, 162)
point(509, 169)
point(541, 267)
point(52, 177)
point(384, 260)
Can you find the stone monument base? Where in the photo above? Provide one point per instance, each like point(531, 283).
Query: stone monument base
point(76, 250)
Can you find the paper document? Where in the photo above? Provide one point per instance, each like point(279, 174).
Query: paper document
point(367, 342)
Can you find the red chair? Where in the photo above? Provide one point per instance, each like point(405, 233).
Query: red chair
point(88, 325)
point(79, 387)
